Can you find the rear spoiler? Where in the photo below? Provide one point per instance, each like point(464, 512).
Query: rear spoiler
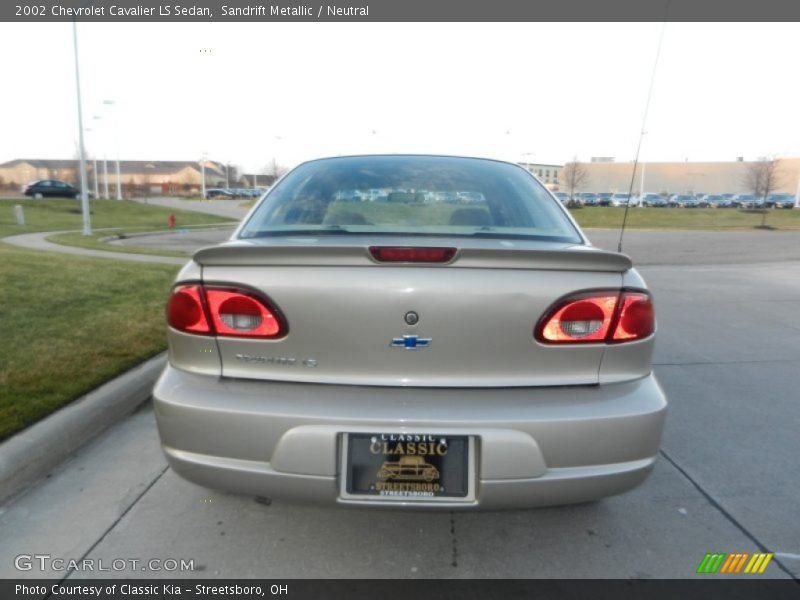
point(569, 258)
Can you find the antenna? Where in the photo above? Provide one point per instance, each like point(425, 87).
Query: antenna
point(644, 122)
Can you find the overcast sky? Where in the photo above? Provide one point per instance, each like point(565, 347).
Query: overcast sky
point(521, 91)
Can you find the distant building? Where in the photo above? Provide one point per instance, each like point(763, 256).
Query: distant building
point(683, 177)
point(152, 176)
point(547, 174)
point(248, 180)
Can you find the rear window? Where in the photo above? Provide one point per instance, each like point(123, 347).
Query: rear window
point(411, 195)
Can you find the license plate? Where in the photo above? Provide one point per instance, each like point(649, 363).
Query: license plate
point(403, 467)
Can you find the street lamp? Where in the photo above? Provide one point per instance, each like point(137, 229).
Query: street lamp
point(105, 161)
point(87, 223)
point(112, 103)
point(203, 176)
point(94, 169)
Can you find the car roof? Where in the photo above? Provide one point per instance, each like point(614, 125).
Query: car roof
point(400, 156)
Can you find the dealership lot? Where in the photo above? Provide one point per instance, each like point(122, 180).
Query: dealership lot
point(726, 482)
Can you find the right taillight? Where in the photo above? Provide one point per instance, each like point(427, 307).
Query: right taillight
point(607, 316)
point(636, 320)
point(223, 311)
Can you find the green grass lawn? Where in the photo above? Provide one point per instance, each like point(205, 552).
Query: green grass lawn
point(57, 215)
point(70, 323)
point(714, 219)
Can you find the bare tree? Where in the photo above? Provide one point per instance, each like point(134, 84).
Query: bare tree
point(761, 178)
point(273, 170)
point(574, 175)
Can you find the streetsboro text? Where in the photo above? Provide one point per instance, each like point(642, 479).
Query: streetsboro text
point(273, 10)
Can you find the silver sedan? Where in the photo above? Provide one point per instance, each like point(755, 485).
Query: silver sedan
point(411, 331)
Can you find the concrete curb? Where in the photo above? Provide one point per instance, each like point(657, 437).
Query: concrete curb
point(29, 455)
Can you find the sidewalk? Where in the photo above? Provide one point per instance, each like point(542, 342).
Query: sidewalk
point(38, 241)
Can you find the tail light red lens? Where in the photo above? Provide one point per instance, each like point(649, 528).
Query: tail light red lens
point(637, 318)
point(185, 310)
point(412, 254)
point(239, 314)
point(228, 312)
point(613, 316)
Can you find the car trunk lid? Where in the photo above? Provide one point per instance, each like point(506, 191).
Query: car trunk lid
point(347, 313)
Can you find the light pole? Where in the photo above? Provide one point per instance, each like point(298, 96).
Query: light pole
point(105, 160)
point(203, 176)
point(797, 193)
point(94, 168)
point(87, 222)
point(641, 179)
point(527, 162)
point(112, 104)
point(641, 182)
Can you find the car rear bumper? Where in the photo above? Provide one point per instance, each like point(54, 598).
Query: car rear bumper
point(533, 446)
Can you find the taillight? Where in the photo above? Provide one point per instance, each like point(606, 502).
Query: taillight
point(185, 310)
point(223, 311)
point(612, 316)
point(240, 314)
point(637, 318)
point(412, 254)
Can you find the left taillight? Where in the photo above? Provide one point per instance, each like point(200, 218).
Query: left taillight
point(185, 310)
point(223, 311)
point(612, 317)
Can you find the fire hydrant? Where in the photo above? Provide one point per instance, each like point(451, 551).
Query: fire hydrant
point(171, 220)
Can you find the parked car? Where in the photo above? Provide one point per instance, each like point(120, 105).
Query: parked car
point(650, 199)
point(682, 201)
point(713, 200)
point(589, 199)
point(620, 199)
point(219, 193)
point(562, 197)
point(603, 198)
point(391, 334)
point(744, 201)
point(50, 188)
point(782, 200)
point(727, 201)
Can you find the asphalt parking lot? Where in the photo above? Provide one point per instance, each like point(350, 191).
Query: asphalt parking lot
point(727, 480)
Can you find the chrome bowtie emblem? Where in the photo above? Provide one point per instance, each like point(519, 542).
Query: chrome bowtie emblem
point(411, 342)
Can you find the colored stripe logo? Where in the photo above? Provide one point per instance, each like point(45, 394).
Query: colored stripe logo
point(735, 563)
